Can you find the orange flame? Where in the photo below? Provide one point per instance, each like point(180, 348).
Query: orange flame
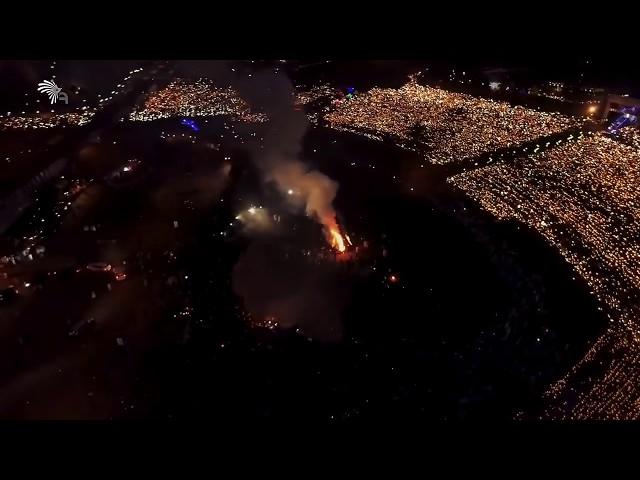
point(337, 241)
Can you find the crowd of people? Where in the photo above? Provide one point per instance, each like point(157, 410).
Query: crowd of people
point(446, 126)
point(305, 96)
point(583, 197)
point(36, 121)
point(195, 99)
point(629, 135)
point(615, 394)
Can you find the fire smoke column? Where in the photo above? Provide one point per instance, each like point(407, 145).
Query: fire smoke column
point(286, 290)
point(278, 157)
point(315, 190)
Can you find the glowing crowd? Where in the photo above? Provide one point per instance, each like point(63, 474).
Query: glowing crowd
point(614, 395)
point(445, 126)
point(196, 99)
point(36, 121)
point(79, 116)
point(630, 136)
point(305, 96)
point(583, 197)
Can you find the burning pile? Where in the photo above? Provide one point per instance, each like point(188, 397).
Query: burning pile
point(337, 240)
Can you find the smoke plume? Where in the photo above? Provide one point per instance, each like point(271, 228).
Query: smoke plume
point(278, 156)
point(272, 283)
point(278, 153)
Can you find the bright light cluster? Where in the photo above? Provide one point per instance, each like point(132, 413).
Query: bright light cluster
point(583, 197)
point(613, 395)
point(51, 119)
point(630, 136)
point(198, 99)
point(315, 93)
point(36, 121)
point(446, 126)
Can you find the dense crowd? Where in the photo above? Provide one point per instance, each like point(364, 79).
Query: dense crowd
point(583, 197)
point(200, 98)
point(446, 126)
point(629, 135)
point(613, 395)
point(305, 96)
point(36, 121)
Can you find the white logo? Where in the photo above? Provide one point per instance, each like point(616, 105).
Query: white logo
point(53, 91)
